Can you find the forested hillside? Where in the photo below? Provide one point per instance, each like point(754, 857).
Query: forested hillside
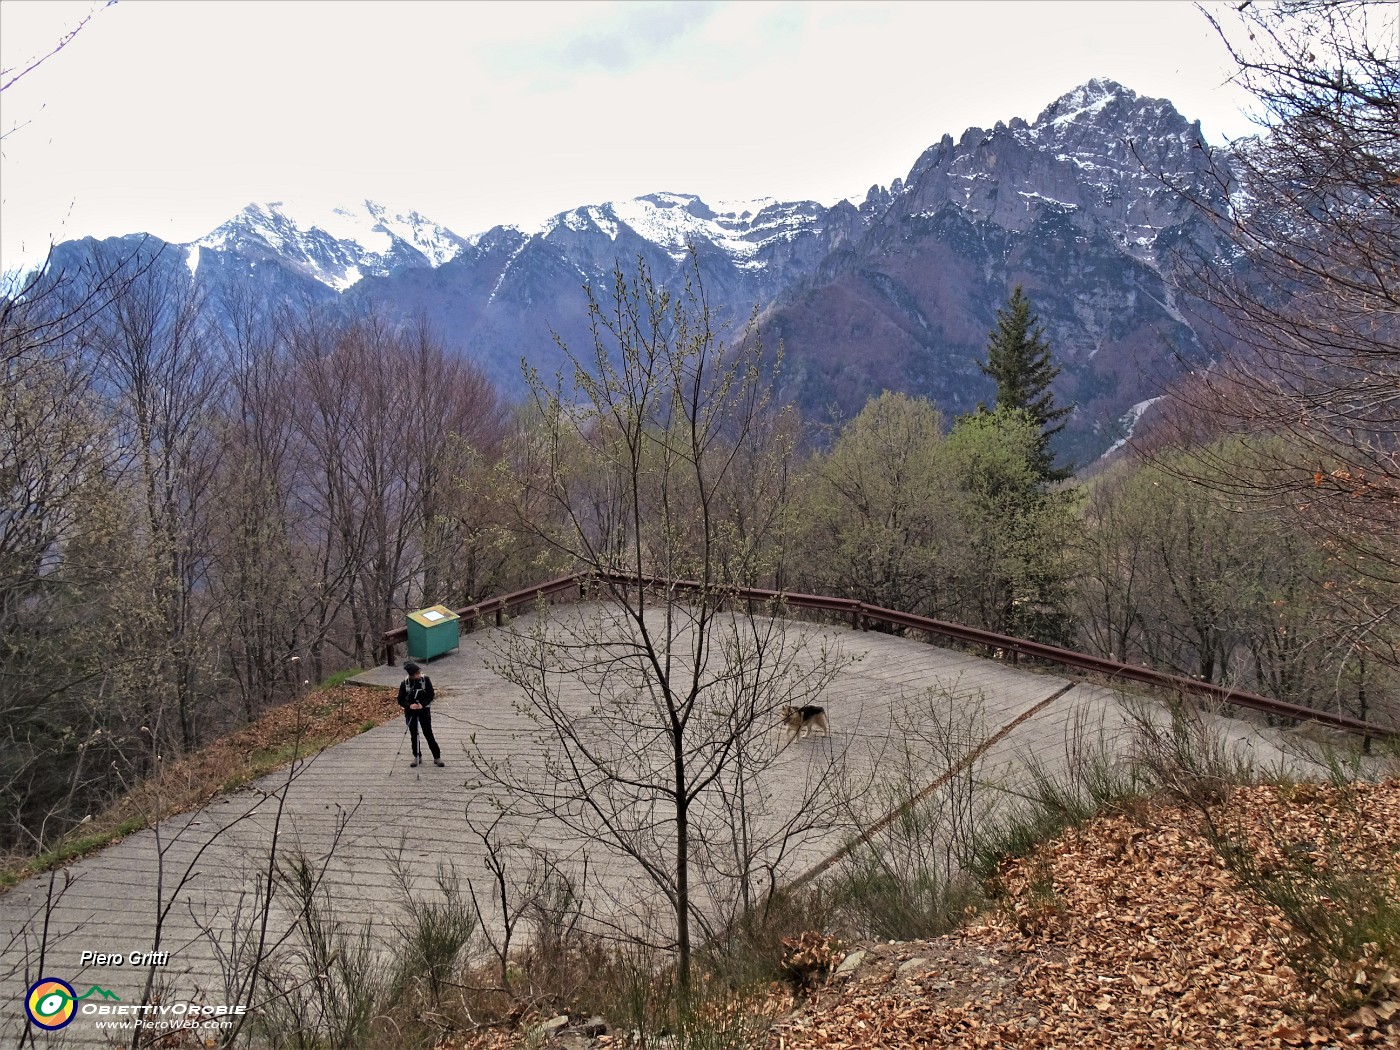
point(211, 499)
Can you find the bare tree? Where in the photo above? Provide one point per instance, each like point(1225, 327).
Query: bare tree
point(454, 423)
point(11, 75)
point(1113, 584)
point(908, 874)
point(389, 423)
point(259, 578)
point(153, 361)
point(1219, 587)
point(638, 475)
point(53, 463)
point(1307, 300)
point(87, 586)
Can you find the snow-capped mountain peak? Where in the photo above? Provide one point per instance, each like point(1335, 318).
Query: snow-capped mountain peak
point(1096, 155)
point(742, 229)
point(335, 245)
point(893, 290)
point(1085, 101)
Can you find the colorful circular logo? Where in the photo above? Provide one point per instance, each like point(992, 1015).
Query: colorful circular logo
point(50, 1003)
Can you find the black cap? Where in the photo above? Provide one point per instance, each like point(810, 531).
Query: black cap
point(411, 667)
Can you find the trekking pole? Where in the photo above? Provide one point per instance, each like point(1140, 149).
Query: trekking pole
point(399, 752)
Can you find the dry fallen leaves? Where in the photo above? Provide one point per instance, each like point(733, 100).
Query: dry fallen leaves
point(1148, 941)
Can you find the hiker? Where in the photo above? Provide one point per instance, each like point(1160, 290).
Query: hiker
point(416, 699)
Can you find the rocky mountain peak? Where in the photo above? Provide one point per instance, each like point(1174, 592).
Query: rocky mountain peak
point(893, 291)
point(1105, 106)
point(335, 246)
point(671, 222)
point(1087, 99)
point(1094, 156)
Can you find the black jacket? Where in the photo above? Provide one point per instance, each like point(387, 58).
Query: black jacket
point(419, 691)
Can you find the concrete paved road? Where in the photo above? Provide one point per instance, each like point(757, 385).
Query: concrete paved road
point(199, 877)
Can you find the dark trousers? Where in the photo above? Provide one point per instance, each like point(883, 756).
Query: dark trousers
point(422, 719)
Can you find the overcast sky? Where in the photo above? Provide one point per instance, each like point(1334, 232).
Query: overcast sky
point(167, 117)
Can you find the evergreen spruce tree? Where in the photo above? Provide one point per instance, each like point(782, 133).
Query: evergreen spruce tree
point(1018, 358)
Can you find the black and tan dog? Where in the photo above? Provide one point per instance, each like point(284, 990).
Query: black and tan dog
point(802, 720)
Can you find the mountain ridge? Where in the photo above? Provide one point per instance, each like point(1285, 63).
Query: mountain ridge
point(893, 290)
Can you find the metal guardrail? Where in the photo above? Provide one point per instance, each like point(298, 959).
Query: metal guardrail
point(862, 615)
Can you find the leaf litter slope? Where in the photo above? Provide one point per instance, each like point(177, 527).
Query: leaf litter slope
point(1132, 931)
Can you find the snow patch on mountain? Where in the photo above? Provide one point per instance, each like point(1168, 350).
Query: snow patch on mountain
point(1084, 105)
point(742, 229)
point(16, 280)
point(674, 220)
point(337, 245)
point(1128, 421)
point(1033, 197)
point(495, 288)
point(340, 245)
point(1083, 102)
